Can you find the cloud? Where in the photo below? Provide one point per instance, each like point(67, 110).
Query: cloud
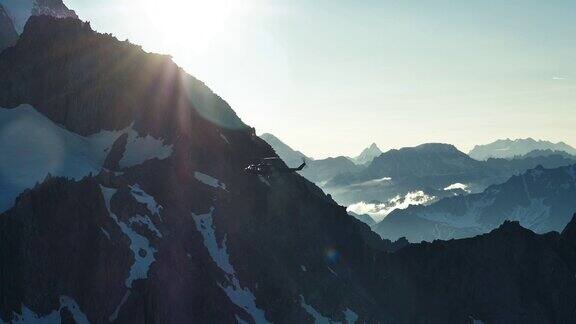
point(378, 211)
point(558, 78)
point(456, 186)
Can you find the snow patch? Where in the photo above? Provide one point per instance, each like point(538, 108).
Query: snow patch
point(142, 197)
point(105, 232)
point(27, 316)
point(77, 314)
point(33, 147)
point(457, 186)
point(146, 221)
point(114, 315)
point(475, 321)
point(242, 297)
point(140, 149)
point(318, 318)
point(140, 246)
point(204, 224)
point(350, 316)
point(208, 180)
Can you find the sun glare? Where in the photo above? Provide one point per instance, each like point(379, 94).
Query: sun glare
point(198, 21)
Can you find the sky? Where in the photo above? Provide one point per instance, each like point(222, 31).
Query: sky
point(331, 77)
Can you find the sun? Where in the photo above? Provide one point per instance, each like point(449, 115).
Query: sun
point(199, 22)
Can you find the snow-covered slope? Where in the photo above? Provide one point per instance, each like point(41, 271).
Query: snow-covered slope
point(540, 199)
point(34, 147)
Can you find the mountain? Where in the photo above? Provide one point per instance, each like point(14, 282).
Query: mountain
point(367, 155)
point(431, 168)
point(21, 10)
point(540, 199)
point(8, 35)
point(142, 213)
point(547, 152)
point(364, 218)
point(511, 148)
point(321, 171)
point(290, 156)
point(317, 171)
point(433, 159)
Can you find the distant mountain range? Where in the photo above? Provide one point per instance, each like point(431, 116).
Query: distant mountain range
point(540, 199)
point(430, 168)
point(294, 157)
point(508, 148)
point(290, 156)
point(322, 170)
point(412, 175)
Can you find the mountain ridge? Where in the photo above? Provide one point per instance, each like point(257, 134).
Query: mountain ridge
point(508, 148)
point(539, 198)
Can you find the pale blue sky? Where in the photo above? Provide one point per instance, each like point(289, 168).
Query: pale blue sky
point(330, 77)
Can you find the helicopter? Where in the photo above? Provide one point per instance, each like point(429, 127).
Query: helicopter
point(270, 165)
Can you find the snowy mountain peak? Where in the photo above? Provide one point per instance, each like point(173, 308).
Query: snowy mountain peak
point(368, 154)
point(508, 148)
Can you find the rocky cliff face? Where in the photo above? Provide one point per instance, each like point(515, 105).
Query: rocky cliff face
point(168, 229)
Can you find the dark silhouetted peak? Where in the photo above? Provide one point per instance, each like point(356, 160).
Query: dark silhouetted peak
point(510, 227)
point(55, 59)
point(290, 156)
point(519, 147)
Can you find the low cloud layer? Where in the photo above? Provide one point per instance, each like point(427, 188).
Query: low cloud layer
point(378, 211)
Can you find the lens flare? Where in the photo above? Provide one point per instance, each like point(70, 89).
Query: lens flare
point(332, 255)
